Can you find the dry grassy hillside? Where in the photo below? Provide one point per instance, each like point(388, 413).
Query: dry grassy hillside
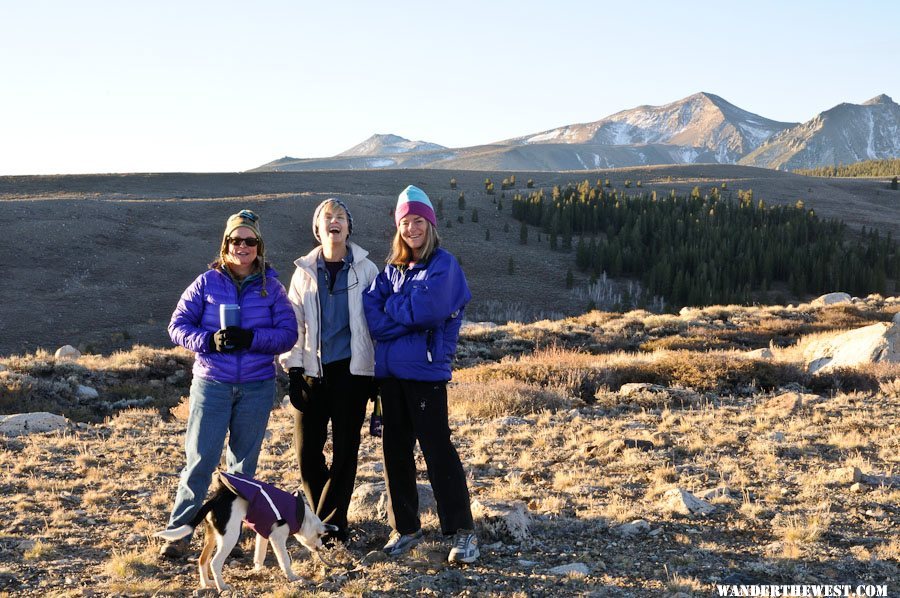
point(798, 472)
point(100, 260)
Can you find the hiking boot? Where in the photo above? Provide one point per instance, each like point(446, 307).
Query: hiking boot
point(465, 547)
point(399, 543)
point(175, 549)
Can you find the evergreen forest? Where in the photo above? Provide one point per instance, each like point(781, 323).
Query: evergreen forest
point(713, 248)
point(886, 168)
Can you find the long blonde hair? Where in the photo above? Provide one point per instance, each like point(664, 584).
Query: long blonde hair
point(402, 254)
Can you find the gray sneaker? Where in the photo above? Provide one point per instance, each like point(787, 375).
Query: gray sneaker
point(465, 547)
point(399, 543)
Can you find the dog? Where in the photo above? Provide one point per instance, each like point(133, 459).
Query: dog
point(272, 513)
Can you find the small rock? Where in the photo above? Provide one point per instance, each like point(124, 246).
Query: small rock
point(764, 353)
point(777, 436)
point(526, 563)
point(858, 488)
point(719, 492)
point(577, 568)
point(635, 528)
point(845, 475)
point(788, 403)
point(633, 388)
point(510, 421)
point(67, 352)
point(679, 500)
point(86, 392)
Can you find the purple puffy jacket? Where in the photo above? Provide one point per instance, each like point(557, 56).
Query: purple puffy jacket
point(196, 319)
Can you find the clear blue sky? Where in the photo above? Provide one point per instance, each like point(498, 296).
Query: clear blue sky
point(122, 86)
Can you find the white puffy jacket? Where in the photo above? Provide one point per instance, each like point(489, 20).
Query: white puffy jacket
point(304, 296)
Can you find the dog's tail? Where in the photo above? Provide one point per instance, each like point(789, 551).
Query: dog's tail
point(178, 533)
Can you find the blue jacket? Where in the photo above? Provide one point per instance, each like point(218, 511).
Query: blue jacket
point(196, 319)
point(414, 317)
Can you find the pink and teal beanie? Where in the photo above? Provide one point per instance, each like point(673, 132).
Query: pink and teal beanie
point(413, 200)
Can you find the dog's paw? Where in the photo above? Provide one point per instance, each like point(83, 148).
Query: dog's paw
point(293, 578)
point(224, 588)
point(257, 567)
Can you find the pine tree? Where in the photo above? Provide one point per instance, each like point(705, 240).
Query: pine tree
point(523, 234)
point(894, 183)
point(452, 184)
point(570, 278)
point(510, 266)
point(474, 214)
point(462, 201)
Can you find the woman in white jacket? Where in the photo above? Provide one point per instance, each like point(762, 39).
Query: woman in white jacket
point(332, 364)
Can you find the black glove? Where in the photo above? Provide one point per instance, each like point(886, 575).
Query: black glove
point(237, 338)
point(218, 343)
point(298, 389)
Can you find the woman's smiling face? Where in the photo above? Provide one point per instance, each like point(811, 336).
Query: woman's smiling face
point(240, 255)
point(414, 230)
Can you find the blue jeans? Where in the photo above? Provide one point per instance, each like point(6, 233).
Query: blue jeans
point(218, 408)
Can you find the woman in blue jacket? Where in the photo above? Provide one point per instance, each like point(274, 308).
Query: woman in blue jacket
point(233, 389)
point(414, 310)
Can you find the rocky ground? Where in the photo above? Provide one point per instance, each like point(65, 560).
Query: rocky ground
point(613, 462)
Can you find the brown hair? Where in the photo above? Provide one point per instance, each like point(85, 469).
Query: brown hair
point(402, 254)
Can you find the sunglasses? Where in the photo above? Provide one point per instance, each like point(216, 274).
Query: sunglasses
point(238, 241)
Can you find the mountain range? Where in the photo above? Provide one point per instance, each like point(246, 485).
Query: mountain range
point(701, 128)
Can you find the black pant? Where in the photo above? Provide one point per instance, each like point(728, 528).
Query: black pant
point(340, 397)
point(418, 411)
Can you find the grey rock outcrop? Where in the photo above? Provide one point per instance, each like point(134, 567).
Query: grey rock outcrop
point(870, 344)
point(20, 424)
point(67, 352)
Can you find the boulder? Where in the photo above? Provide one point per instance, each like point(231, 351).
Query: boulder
point(764, 353)
point(364, 501)
point(28, 423)
point(831, 299)
point(370, 501)
point(870, 344)
point(504, 521)
point(86, 392)
point(679, 500)
point(67, 352)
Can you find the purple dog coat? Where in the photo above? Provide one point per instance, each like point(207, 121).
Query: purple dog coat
point(267, 505)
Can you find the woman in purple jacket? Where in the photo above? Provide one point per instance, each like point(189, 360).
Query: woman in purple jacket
point(414, 311)
point(234, 368)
